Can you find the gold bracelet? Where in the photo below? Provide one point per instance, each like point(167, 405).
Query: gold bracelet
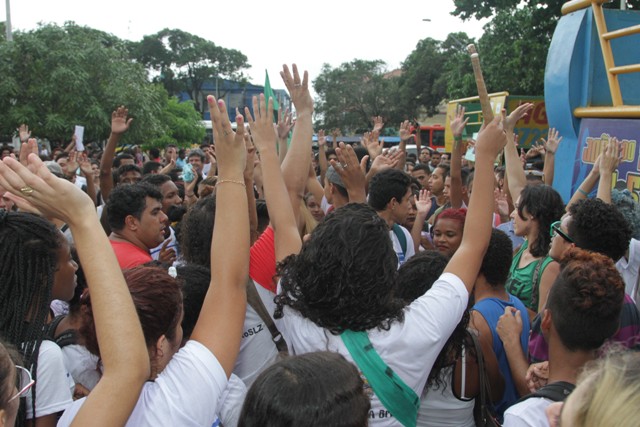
point(232, 181)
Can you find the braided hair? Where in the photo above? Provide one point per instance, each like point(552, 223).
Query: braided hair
point(28, 250)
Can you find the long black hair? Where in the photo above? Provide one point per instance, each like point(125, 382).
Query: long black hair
point(344, 275)
point(545, 205)
point(28, 250)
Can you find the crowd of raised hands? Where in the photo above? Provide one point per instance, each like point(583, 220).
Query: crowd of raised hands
point(139, 376)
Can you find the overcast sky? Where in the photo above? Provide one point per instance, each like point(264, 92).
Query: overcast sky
point(269, 33)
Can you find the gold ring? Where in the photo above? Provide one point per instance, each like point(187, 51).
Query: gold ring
point(225, 132)
point(26, 190)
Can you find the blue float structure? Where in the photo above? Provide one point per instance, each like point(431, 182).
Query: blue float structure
point(592, 91)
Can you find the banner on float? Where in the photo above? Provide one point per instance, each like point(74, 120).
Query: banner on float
point(592, 140)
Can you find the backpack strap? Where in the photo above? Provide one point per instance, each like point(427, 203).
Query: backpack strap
point(397, 230)
point(50, 329)
point(535, 284)
point(396, 396)
point(557, 391)
point(254, 300)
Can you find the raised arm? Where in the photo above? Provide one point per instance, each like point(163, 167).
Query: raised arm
point(281, 216)
point(423, 206)
point(120, 123)
point(550, 147)
point(351, 172)
point(457, 127)
point(466, 262)
point(322, 154)
point(87, 172)
point(285, 123)
point(125, 358)
point(248, 182)
point(516, 179)
point(295, 167)
point(609, 161)
point(219, 327)
point(587, 185)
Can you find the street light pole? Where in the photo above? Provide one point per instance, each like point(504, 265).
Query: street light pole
point(8, 23)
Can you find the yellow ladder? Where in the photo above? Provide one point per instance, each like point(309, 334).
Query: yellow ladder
point(618, 109)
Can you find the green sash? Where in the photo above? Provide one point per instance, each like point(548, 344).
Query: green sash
point(397, 397)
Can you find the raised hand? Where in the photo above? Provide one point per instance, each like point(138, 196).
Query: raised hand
point(167, 255)
point(24, 133)
point(378, 123)
point(285, 123)
point(322, 139)
point(85, 165)
point(120, 121)
point(251, 158)
point(552, 142)
point(298, 90)
point(492, 139)
point(72, 163)
point(405, 131)
point(423, 203)
point(262, 131)
point(370, 142)
point(610, 158)
point(230, 150)
point(35, 189)
point(513, 118)
point(351, 172)
point(458, 122)
point(26, 148)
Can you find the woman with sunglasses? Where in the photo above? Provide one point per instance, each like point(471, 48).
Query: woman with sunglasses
point(34, 255)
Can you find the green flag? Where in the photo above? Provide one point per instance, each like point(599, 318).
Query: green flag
point(268, 92)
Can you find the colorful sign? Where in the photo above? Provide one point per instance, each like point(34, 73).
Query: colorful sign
point(534, 126)
point(593, 138)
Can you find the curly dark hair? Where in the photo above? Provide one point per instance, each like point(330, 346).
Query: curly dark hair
point(497, 260)
point(344, 275)
point(417, 276)
point(599, 227)
point(196, 231)
point(586, 300)
point(546, 206)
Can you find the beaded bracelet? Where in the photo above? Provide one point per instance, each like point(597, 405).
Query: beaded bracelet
point(231, 181)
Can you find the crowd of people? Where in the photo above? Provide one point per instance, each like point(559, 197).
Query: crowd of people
point(256, 281)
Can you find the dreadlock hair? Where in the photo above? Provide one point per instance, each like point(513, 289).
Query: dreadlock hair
point(352, 288)
point(28, 250)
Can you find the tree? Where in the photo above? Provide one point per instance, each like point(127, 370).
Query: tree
point(183, 125)
point(420, 85)
point(349, 95)
point(56, 77)
point(185, 61)
point(457, 72)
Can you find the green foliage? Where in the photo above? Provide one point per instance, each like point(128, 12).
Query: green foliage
point(183, 123)
point(513, 51)
point(185, 61)
point(57, 77)
point(348, 96)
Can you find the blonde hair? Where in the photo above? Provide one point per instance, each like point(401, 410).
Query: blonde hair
point(608, 392)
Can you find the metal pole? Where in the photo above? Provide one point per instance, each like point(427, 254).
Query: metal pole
point(8, 23)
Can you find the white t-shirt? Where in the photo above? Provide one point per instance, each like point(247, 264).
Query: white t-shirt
point(528, 413)
point(411, 251)
point(173, 244)
point(184, 394)
point(409, 348)
point(82, 365)
point(257, 349)
point(54, 385)
point(231, 401)
point(629, 269)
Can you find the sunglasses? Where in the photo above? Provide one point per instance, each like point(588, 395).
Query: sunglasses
point(555, 230)
point(24, 382)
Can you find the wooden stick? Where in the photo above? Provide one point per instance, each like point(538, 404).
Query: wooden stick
point(485, 102)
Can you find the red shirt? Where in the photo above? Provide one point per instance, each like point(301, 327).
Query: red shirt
point(129, 255)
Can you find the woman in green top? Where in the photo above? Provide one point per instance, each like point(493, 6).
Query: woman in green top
point(532, 271)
